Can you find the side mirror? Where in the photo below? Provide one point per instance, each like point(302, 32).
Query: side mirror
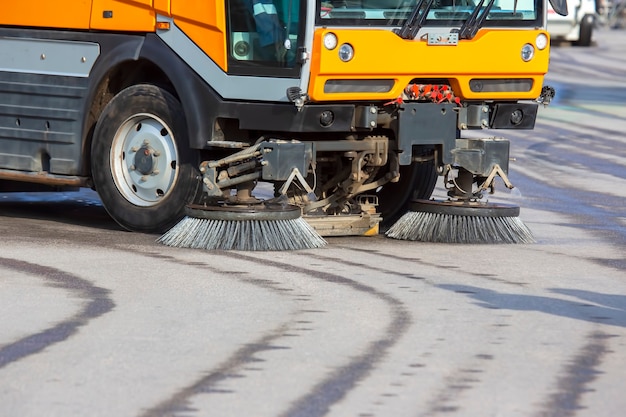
point(559, 6)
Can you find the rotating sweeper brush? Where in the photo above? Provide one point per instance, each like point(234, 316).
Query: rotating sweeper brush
point(461, 222)
point(258, 227)
point(241, 221)
point(464, 218)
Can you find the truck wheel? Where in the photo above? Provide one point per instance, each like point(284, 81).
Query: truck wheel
point(417, 182)
point(586, 30)
point(141, 165)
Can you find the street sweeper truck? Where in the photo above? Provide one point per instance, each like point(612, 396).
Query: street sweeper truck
point(341, 114)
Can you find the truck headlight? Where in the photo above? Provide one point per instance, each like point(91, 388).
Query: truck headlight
point(346, 52)
point(541, 42)
point(528, 51)
point(330, 41)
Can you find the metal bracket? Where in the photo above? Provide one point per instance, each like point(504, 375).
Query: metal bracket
point(488, 183)
point(295, 174)
point(546, 96)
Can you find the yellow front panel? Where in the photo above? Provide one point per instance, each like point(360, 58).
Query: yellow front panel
point(205, 23)
point(71, 14)
point(381, 54)
point(123, 15)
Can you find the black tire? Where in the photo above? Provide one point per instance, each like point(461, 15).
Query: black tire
point(417, 182)
point(141, 163)
point(586, 31)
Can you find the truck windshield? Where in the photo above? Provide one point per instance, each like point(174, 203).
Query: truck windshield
point(440, 13)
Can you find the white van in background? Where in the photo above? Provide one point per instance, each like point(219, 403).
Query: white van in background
point(577, 26)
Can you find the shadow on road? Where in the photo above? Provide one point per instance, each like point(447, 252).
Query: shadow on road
point(81, 208)
point(607, 309)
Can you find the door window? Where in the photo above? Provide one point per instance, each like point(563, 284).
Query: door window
point(264, 36)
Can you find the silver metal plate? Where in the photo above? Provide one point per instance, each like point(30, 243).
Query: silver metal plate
point(443, 38)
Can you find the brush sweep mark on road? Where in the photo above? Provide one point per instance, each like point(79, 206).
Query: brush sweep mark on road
point(576, 378)
point(340, 376)
point(234, 367)
point(244, 360)
point(404, 375)
point(458, 382)
point(171, 322)
point(96, 303)
point(402, 370)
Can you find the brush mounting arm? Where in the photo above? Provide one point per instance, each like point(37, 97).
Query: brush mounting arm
point(269, 161)
point(478, 161)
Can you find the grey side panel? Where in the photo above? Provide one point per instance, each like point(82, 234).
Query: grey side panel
point(43, 56)
point(41, 122)
point(44, 103)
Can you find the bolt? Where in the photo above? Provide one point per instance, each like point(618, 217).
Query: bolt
point(208, 183)
point(132, 168)
point(156, 172)
point(134, 149)
point(144, 178)
point(373, 123)
point(373, 110)
point(156, 154)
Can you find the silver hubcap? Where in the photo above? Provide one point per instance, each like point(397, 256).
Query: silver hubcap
point(143, 160)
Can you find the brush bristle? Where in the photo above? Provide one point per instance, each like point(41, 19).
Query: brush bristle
point(244, 235)
point(447, 228)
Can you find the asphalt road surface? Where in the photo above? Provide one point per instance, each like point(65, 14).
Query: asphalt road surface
point(95, 321)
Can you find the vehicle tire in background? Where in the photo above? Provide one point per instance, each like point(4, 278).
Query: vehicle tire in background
point(586, 31)
point(142, 167)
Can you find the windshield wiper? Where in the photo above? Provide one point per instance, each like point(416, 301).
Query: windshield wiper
point(475, 21)
point(415, 21)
